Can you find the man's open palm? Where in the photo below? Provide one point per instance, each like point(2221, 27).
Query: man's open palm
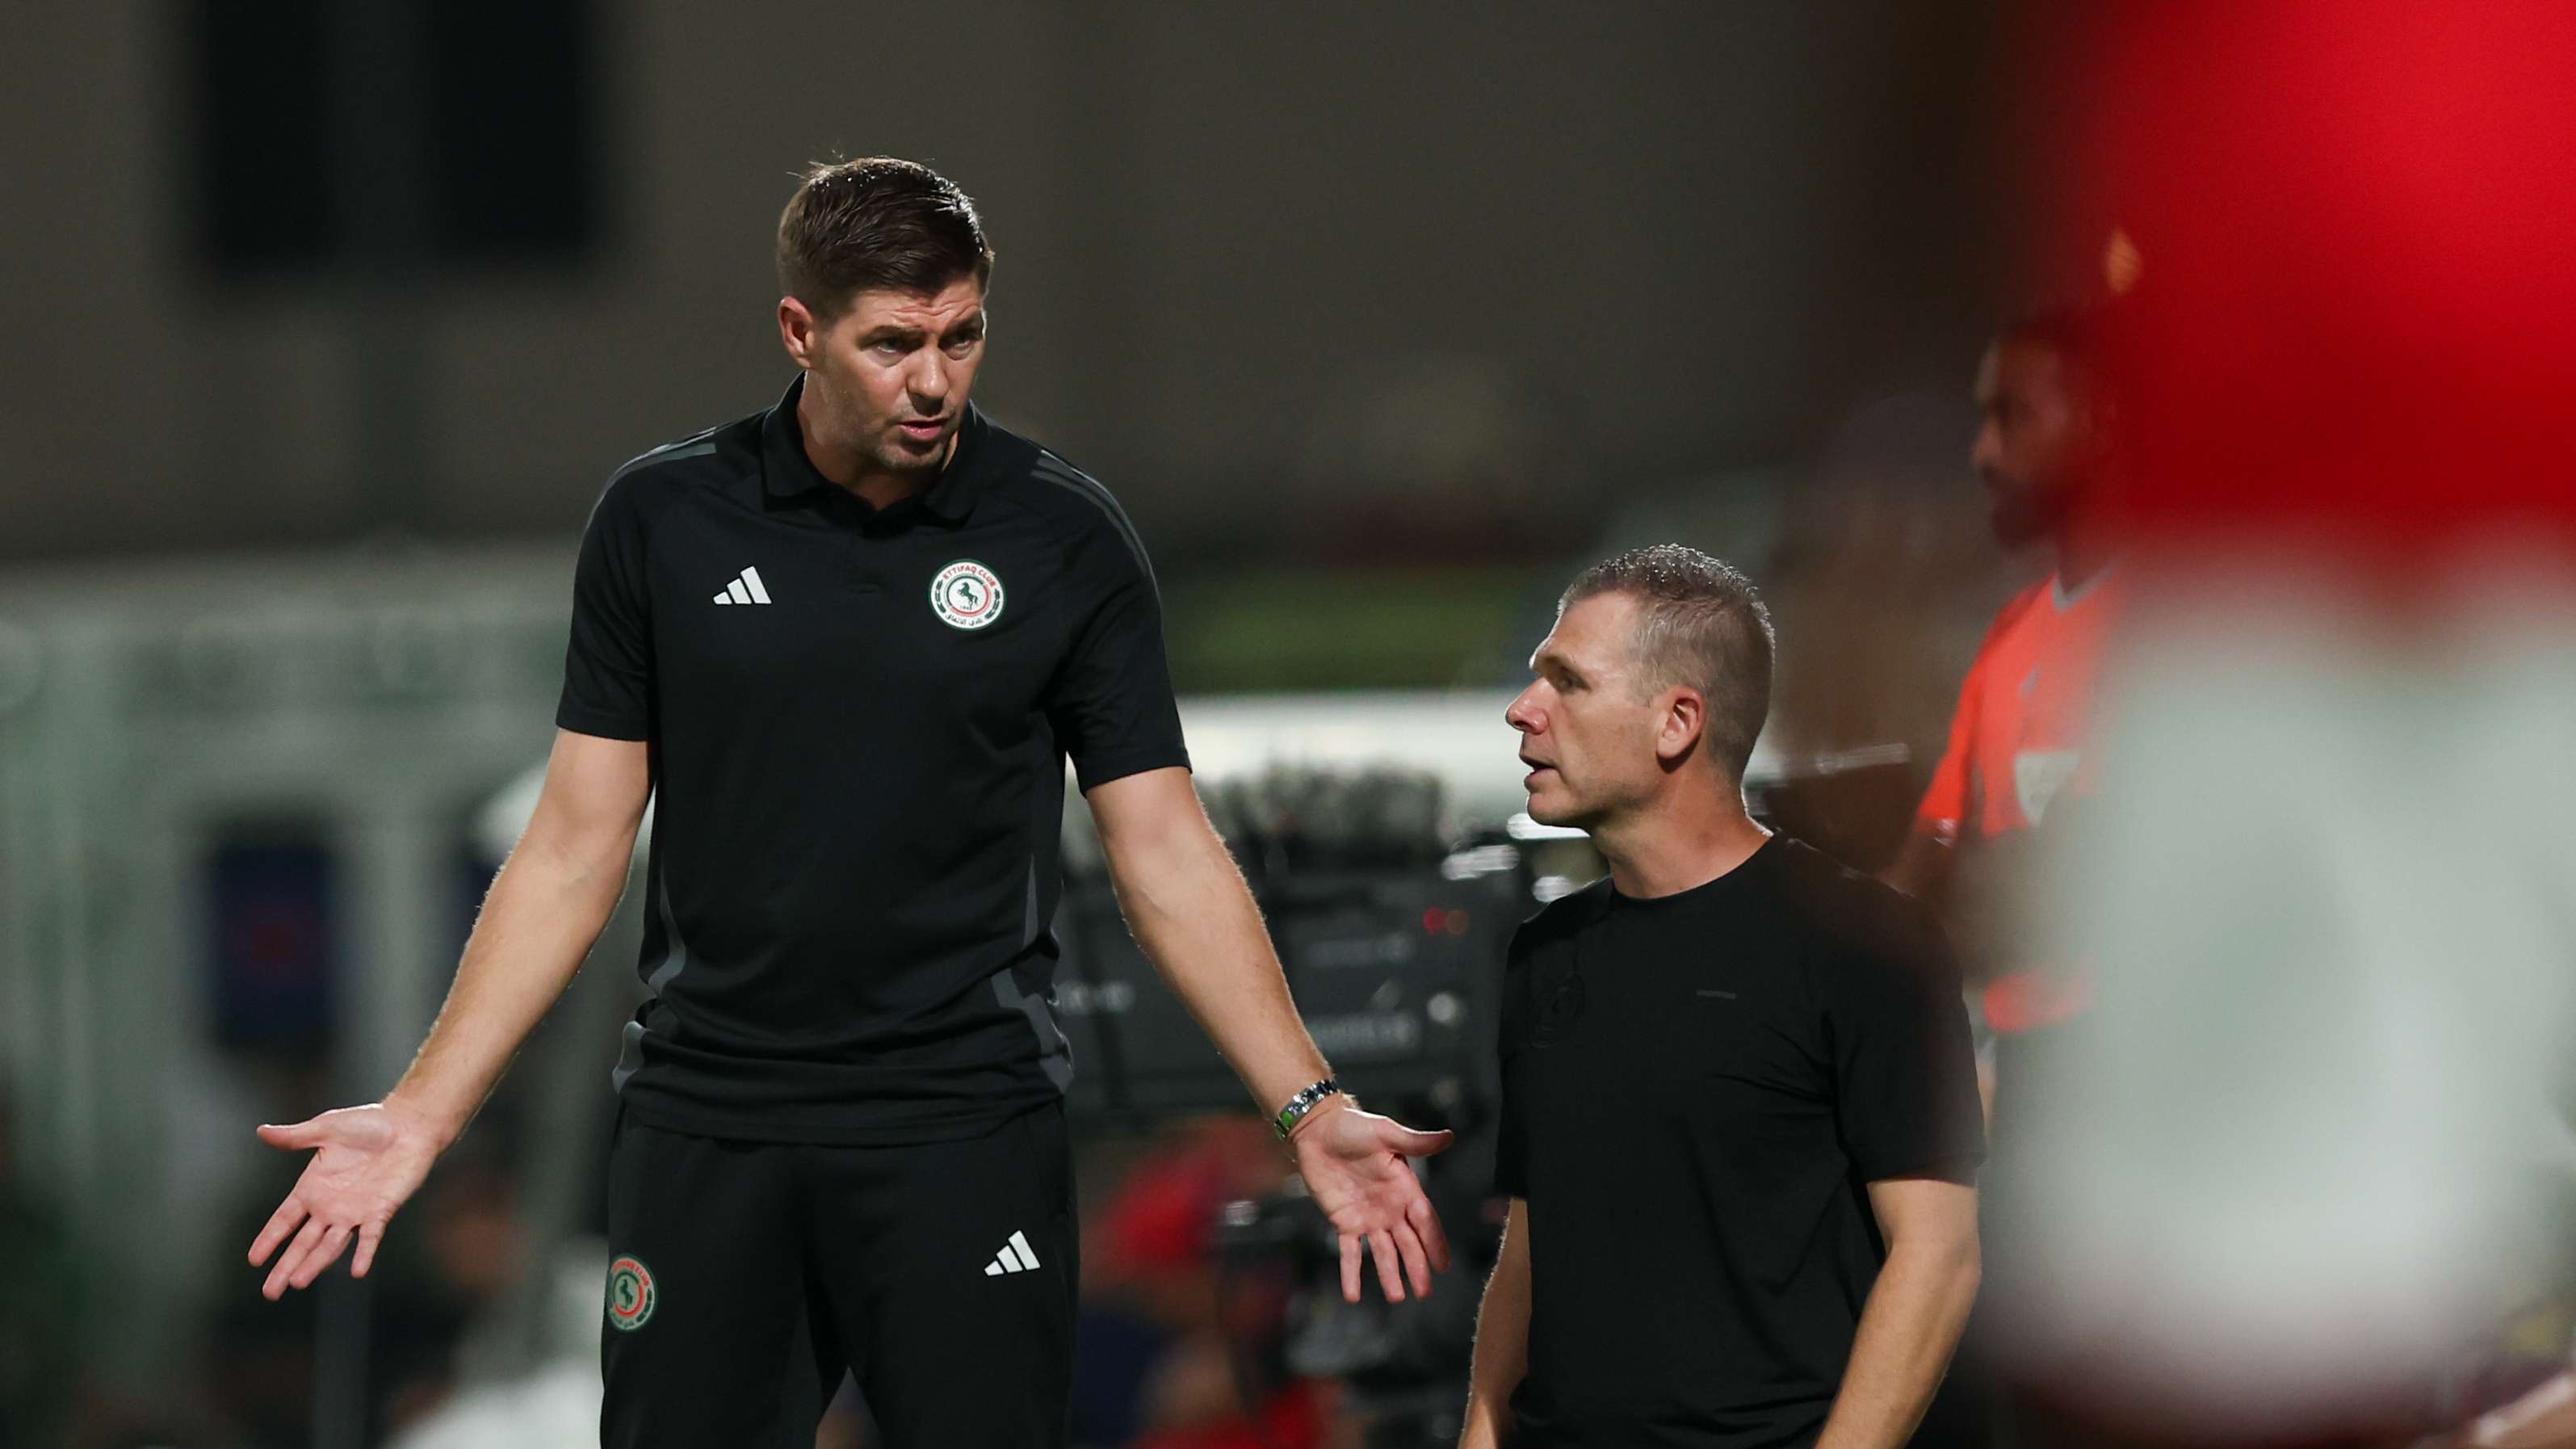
point(367, 1161)
point(1356, 1169)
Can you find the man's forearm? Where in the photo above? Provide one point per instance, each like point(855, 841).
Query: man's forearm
point(1189, 908)
point(1502, 1343)
point(1908, 1330)
point(545, 910)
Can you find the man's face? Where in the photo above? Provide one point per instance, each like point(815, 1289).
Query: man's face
point(889, 376)
point(1589, 722)
point(2037, 448)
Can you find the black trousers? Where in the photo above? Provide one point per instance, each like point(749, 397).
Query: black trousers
point(747, 1275)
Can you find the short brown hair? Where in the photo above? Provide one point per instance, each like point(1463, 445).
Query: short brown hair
point(877, 223)
point(1703, 626)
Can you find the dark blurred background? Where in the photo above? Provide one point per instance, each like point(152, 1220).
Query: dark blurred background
point(306, 273)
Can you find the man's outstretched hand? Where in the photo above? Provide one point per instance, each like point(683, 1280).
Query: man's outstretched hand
point(367, 1161)
point(1356, 1165)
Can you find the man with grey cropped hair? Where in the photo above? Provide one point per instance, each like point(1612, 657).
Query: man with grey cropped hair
point(1740, 1122)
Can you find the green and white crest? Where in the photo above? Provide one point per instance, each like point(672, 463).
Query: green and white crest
point(631, 1294)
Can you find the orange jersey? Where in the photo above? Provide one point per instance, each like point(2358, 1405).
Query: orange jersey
point(2020, 742)
point(2025, 714)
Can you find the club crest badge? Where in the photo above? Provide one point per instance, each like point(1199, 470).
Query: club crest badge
point(631, 1295)
point(966, 595)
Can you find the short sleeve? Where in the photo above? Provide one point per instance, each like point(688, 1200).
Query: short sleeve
point(1945, 802)
point(1905, 1071)
point(1111, 704)
point(608, 667)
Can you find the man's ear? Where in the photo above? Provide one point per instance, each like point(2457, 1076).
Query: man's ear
point(1683, 725)
point(798, 332)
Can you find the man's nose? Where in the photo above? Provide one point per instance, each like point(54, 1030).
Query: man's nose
point(929, 380)
point(1987, 453)
point(1521, 714)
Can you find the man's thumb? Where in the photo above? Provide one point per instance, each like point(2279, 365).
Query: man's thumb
point(1413, 1143)
point(307, 1133)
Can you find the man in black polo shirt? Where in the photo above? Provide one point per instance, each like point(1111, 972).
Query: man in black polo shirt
point(848, 644)
point(1739, 1107)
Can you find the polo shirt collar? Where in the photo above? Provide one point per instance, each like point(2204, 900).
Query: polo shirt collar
point(786, 472)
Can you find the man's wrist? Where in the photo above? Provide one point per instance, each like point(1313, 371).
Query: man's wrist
point(1338, 1102)
point(1307, 1103)
point(442, 1128)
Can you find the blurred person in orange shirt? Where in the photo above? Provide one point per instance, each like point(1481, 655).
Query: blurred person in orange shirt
point(2020, 741)
point(2020, 753)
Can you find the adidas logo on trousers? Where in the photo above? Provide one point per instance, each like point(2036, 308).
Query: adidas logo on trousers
point(1015, 1257)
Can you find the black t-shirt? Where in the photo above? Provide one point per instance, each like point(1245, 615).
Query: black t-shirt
point(1697, 1090)
point(859, 720)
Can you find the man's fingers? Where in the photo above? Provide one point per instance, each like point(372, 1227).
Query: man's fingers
point(293, 1135)
point(280, 1223)
point(1426, 1223)
point(322, 1257)
point(369, 1234)
point(291, 1259)
point(1350, 1268)
point(1389, 1276)
point(1416, 1271)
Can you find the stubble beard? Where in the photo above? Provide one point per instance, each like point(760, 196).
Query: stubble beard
point(895, 457)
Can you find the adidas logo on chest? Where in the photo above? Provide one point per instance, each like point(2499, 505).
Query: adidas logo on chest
point(746, 588)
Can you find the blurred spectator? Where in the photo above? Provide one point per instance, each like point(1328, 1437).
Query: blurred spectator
point(2020, 748)
point(2021, 739)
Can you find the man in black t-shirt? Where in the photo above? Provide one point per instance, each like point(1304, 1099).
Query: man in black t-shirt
point(1740, 1117)
point(848, 643)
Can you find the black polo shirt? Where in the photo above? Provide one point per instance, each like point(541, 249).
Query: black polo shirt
point(859, 720)
point(1697, 1091)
